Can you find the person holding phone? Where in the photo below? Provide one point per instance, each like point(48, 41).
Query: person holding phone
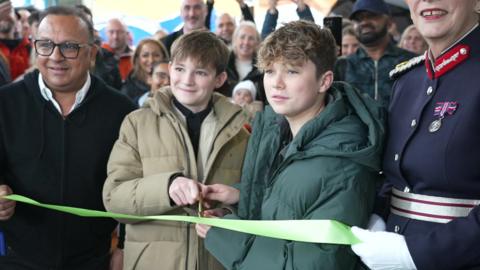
point(367, 69)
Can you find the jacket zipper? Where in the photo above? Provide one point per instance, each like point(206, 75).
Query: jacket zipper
point(181, 136)
point(188, 246)
point(282, 166)
point(375, 63)
point(210, 157)
point(62, 189)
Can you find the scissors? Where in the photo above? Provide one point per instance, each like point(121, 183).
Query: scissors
point(200, 205)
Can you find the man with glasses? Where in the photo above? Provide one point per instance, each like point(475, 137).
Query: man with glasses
point(57, 127)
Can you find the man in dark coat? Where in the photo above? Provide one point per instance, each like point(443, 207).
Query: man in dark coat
point(367, 69)
point(57, 128)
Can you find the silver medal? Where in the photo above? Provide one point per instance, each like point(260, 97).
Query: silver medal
point(435, 125)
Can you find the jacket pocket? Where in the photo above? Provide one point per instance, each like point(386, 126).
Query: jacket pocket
point(154, 255)
point(132, 253)
point(161, 164)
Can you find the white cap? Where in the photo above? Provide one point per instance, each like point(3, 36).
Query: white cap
point(248, 85)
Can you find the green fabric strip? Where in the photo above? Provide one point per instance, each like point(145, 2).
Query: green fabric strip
point(313, 231)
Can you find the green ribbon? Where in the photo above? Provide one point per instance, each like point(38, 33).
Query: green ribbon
point(313, 231)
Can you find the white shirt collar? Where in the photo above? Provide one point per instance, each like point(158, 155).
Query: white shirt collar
point(79, 96)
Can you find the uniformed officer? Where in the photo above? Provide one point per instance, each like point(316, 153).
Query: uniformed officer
point(431, 160)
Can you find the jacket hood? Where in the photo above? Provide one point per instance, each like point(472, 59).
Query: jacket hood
point(337, 132)
point(161, 103)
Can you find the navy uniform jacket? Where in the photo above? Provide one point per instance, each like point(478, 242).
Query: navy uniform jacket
point(444, 163)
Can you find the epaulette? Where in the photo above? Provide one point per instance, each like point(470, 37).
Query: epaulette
point(406, 66)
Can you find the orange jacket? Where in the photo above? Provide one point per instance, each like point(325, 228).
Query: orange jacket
point(124, 61)
point(18, 57)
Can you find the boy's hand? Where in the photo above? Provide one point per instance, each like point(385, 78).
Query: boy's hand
point(221, 193)
point(202, 229)
point(217, 212)
point(184, 191)
point(7, 207)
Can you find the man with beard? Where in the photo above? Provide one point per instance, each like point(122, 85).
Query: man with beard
point(193, 13)
point(368, 68)
point(16, 51)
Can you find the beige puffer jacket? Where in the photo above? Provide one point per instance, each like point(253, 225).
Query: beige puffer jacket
point(152, 146)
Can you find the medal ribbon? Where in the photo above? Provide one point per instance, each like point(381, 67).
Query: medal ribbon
point(445, 107)
point(312, 231)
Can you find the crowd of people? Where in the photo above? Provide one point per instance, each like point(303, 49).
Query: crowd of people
point(376, 131)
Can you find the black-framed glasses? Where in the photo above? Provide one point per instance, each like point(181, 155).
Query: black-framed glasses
point(68, 50)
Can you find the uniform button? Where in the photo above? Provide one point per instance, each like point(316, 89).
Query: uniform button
point(396, 157)
point(396, 228)
point(413, 123)
point(429, 90)
point(406, 189)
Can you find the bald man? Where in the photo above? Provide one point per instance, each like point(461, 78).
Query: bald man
point(225, 25)
point(193, 13)
point(117, 36)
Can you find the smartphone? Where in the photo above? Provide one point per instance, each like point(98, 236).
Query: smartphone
point(3, 246)
point(334, 23)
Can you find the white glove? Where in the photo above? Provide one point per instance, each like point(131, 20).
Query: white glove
point(376, 224)
point(383, 250)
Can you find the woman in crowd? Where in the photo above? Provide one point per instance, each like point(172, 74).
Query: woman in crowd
point(147, 52)
point(159, 78)
point(242, 60)
point(431, 155)
point(349, 41)
point(412, 40)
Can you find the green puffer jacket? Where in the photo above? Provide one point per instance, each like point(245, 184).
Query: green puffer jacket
point(329, 171)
